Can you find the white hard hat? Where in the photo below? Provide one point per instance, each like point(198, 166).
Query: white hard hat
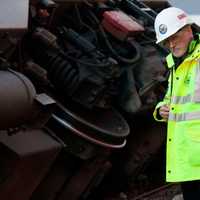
point(169, 21)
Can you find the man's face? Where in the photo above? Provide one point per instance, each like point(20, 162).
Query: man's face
point(178, 42)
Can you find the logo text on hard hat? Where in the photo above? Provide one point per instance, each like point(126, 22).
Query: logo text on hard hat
point(181, 16)
point(163, 28)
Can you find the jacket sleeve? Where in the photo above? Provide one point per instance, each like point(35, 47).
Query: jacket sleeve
point(166, 100)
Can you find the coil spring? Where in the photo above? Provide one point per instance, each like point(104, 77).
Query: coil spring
point(61, 73)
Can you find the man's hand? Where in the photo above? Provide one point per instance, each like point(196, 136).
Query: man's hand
point(164, 112)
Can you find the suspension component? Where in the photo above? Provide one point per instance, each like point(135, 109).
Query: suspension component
point(89, 83)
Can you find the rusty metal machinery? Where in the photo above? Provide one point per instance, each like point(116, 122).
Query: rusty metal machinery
point(77, 78)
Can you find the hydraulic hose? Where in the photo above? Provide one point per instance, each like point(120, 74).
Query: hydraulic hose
point(116, 55)
point(85, 46)
point(133, 43)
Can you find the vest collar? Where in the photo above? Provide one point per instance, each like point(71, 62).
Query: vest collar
point(170, 61)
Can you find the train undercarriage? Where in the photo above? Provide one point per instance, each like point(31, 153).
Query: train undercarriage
point(79, 81)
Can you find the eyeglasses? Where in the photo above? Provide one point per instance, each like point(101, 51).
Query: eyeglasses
point(173, 38)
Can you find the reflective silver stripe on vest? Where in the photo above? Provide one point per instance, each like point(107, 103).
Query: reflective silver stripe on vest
point(190, 98)
point(196, 97)
point(184, 116)
point(181, 99)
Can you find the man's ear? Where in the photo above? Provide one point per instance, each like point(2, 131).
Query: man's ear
point(189, 28)
point(189, 31)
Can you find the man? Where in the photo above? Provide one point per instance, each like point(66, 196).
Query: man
point(180, 107)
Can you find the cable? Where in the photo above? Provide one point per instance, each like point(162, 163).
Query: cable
point(112, 50)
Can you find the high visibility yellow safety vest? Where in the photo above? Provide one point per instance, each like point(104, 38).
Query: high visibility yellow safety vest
point(183, 128)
